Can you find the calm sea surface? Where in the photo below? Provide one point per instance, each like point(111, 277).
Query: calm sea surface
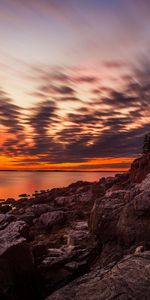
point(13, 183)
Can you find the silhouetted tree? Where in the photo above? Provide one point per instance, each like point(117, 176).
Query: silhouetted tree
point(146, 146)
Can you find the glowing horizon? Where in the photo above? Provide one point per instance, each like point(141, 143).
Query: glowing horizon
point(91, 165)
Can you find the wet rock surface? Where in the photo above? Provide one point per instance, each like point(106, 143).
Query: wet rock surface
point(85, 241)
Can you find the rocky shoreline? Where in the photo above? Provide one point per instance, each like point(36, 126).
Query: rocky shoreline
point(85, 241)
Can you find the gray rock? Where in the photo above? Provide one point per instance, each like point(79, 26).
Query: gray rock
point(133, 224)
point(5, 219)
point(12, 235)
point(51, 219)
point(2, 217)
point(26, 217)
point(17, 277)
point(129, 279)
point(105, 215)
point(38, 209)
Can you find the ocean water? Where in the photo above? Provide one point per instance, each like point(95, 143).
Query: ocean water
point(15, 183)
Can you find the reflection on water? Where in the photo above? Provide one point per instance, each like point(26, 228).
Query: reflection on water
point(14, 183)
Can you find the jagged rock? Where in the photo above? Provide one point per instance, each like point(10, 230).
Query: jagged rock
point(2, 217)
point(53, 234)
point(145, 184)
point(5, 219)
point(133, 225)
point(74, 200)
point(63, 201)
point(38, 209)
point(51, 219)
point(27, 217)
point(79, 238)
point(13, 234)
point(139, 250)
point(119, 182)
point(17, 277)
point(140, 168)
point(60, 265)
point(129, 279)
point(81, 225)
point(111, 252)
point(10, 201)
point(5, 208)
point(142, 203)
point(105, 215)
point(55, 252)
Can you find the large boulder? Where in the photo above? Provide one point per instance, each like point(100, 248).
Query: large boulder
point(105, 215)
point(17, 277)
point(38, 209)
point(128, 279)
point(133, 224)
point(123, 216)
point(140, 168)
point(78, 201)
point(13, 234)
point(52, 219)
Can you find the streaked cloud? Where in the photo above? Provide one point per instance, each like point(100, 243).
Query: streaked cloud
point(100, 127)
point(74, 82)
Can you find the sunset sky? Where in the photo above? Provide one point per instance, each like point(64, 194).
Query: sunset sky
point(74, 83)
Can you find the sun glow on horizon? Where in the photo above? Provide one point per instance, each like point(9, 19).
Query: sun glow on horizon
point(97, 164)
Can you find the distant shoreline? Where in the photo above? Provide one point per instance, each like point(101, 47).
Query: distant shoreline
point(63, 171)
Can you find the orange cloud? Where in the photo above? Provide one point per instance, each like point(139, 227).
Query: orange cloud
point(96, 164)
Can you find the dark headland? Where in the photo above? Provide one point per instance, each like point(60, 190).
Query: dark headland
point(85, 241)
